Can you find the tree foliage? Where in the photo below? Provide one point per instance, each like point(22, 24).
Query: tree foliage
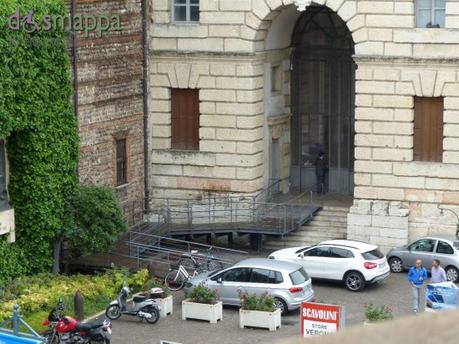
point(95, 219)
point(37, 119)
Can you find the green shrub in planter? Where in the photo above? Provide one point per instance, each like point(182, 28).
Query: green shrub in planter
point(157, 283)
point(263, 302)
point(203, 294)
point(377, 313)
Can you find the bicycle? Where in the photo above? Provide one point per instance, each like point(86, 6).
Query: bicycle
point(200, 262)
point(175, 279)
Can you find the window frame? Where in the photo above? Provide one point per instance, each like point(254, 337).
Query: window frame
point(187, 6)
point(192, 140)
point(419, 150)
point(306, 253)
point(433, 246)
point(125, 164)
point(223, 273)
point(348, 252)
point(446, 244)
point(433, 10)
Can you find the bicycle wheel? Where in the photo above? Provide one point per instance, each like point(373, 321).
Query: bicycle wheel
point(175, 280)
point(187, 263)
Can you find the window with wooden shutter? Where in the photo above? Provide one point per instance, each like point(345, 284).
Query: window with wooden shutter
point(428, 129)
point(185, 119)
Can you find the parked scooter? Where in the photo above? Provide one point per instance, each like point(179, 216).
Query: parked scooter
point(144, 307)
point(64, 329)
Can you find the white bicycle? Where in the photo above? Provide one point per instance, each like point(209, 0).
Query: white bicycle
point(175, 279)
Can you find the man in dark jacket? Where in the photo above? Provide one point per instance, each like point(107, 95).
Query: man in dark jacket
point(321, 171)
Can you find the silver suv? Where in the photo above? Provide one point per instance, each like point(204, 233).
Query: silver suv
point(287, 282)
point(427, 249)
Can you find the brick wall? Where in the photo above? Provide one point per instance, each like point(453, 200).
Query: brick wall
point(110, 99)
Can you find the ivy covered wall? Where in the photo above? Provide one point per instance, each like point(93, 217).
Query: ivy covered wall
point(37, 119)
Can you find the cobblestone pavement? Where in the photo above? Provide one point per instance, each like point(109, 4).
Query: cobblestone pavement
point(394, 292)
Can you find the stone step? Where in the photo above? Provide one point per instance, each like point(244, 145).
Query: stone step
point(321, 223)
point(329, 219)
point(332, 213)
point(336, 208)
point(326, 230)
point(317, 235)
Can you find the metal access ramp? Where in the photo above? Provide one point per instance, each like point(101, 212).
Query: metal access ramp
point(149, 248)
point(242, 215)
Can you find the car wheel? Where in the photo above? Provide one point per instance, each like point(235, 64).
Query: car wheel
point(354, 281)
point(452, 274)
point(281, 304)
point(395, 264)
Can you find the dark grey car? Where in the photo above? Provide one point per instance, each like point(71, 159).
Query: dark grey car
point(427, 249)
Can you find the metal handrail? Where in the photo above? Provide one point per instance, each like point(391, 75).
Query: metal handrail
point(271, 184)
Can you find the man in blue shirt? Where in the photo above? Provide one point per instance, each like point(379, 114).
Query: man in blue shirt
point(417, 275)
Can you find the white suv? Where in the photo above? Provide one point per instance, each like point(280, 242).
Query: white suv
point(353, 262)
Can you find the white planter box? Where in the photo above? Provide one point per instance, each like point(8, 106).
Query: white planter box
point(202, 311)
point(269, 320)
point(166, 305)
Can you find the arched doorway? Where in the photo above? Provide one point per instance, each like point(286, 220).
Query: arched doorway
point(323, 99)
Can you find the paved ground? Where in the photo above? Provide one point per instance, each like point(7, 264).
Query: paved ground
point(394, 292)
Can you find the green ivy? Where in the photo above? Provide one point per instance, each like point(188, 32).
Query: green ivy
point(37, 119)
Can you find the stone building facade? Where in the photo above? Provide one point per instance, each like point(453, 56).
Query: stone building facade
point(246, 59)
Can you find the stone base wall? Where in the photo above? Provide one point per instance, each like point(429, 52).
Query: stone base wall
point(389, 224)
point(382, 223)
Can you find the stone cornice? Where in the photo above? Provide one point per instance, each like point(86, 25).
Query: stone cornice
point(406, 61)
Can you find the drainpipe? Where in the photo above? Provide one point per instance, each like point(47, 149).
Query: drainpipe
point(145, 47)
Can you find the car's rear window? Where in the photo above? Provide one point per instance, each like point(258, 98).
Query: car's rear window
point(373, 255)
point(299, 276)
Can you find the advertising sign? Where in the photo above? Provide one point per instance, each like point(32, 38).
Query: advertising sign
point(318, 319)
point(441, 296)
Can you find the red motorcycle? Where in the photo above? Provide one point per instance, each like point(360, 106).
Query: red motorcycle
point(67, 330)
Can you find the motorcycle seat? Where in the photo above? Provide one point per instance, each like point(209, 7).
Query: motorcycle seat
point(86, 326)
point(139, 298)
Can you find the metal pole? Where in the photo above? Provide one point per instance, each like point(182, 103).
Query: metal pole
point(285, 218)
point(16, 319)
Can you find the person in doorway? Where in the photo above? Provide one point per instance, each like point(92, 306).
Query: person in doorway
point(417, 275)
point(321, 171)
point(438, 274)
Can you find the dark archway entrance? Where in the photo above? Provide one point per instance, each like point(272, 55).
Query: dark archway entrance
point(323, 99)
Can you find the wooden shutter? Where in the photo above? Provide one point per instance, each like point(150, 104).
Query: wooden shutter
point(185, 119)
point(428, 129)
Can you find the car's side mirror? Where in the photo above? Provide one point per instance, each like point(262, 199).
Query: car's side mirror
point(220, 280)
point(301, 255)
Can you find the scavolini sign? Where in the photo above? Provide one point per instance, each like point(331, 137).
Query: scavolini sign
point(317, 319)
point(30, 23)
